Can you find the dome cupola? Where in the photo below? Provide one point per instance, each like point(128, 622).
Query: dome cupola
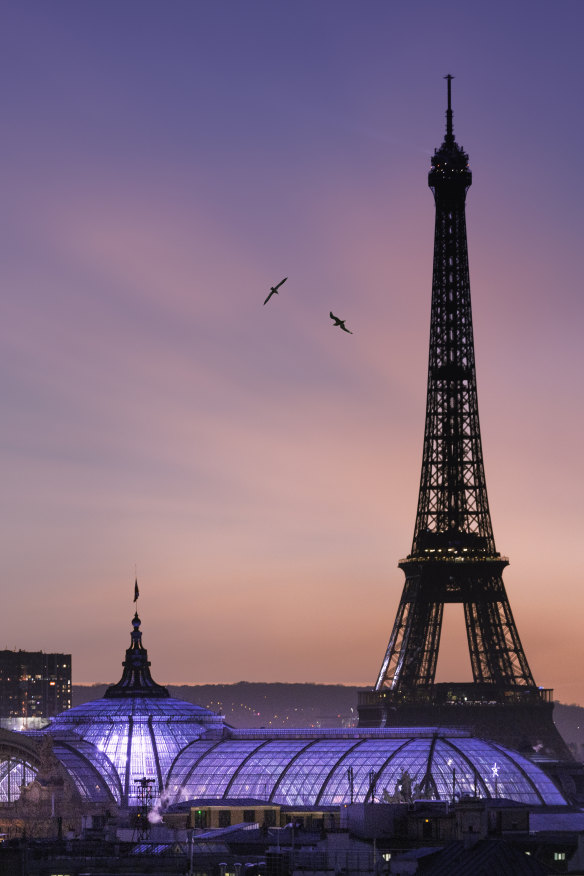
point(135, 731)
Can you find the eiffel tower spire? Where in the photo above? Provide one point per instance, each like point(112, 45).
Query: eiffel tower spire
point(449, 126)
point(453, 558)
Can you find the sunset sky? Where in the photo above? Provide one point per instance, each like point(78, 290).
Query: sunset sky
point(163, 162)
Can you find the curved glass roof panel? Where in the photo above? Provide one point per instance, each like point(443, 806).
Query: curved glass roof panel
point(260, 772)
point(89, 781)
point(215, 770)
point(184, 764)
point(411, 759)
point(14, 773)
point(101, 764)
point(112, 741)
point(453, 773)
point(165, 709)
point(370, 755)
point(498, 770)
point(545, 786)
point(302, 782)
point(142, 759)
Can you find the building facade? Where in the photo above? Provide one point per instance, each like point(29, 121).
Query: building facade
point(34, 687)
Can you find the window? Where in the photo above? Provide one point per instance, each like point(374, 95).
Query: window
point(559, 856)
point(224, 818)
point(200, 818)
point(249, 815)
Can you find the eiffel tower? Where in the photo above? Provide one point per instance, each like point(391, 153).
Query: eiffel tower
point(453, 557)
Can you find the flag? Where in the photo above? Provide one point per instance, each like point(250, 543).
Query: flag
point(136, 591)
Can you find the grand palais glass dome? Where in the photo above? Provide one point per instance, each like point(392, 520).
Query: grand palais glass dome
point(138, 731)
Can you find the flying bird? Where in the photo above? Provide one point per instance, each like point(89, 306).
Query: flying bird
point(274, 289)
point(340, 323)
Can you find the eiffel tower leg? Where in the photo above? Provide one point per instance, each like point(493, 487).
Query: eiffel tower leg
point(496, 653)
point(412, 652)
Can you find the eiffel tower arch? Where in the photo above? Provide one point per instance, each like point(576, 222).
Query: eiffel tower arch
point(453, 558)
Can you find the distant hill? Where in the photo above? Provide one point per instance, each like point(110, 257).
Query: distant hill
point(259, 704)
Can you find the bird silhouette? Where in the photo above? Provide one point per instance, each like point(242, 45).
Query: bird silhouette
point(340, 323)
point(274, 289)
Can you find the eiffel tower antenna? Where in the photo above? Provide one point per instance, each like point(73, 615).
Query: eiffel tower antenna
point(453, 558)
point(449, 128)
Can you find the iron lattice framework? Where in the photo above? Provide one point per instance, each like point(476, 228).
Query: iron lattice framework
point(453, 557)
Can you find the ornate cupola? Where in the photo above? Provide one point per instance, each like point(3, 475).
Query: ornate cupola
point(136, 680)
point(133, 733)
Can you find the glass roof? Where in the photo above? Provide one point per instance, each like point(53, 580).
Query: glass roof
point(94, 784)
point(309, 771)
point(316, 772)
point(147, 732)
point(14, 773)
point(104, 709)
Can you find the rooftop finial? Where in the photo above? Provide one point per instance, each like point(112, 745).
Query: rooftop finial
point(136, 680)
point(449, 130)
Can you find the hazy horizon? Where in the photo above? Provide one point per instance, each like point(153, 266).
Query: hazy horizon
point(241, 681)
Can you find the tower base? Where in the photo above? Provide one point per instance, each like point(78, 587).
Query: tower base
point(521, 720)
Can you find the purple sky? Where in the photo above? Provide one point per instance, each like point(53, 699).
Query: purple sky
point(164, 163)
